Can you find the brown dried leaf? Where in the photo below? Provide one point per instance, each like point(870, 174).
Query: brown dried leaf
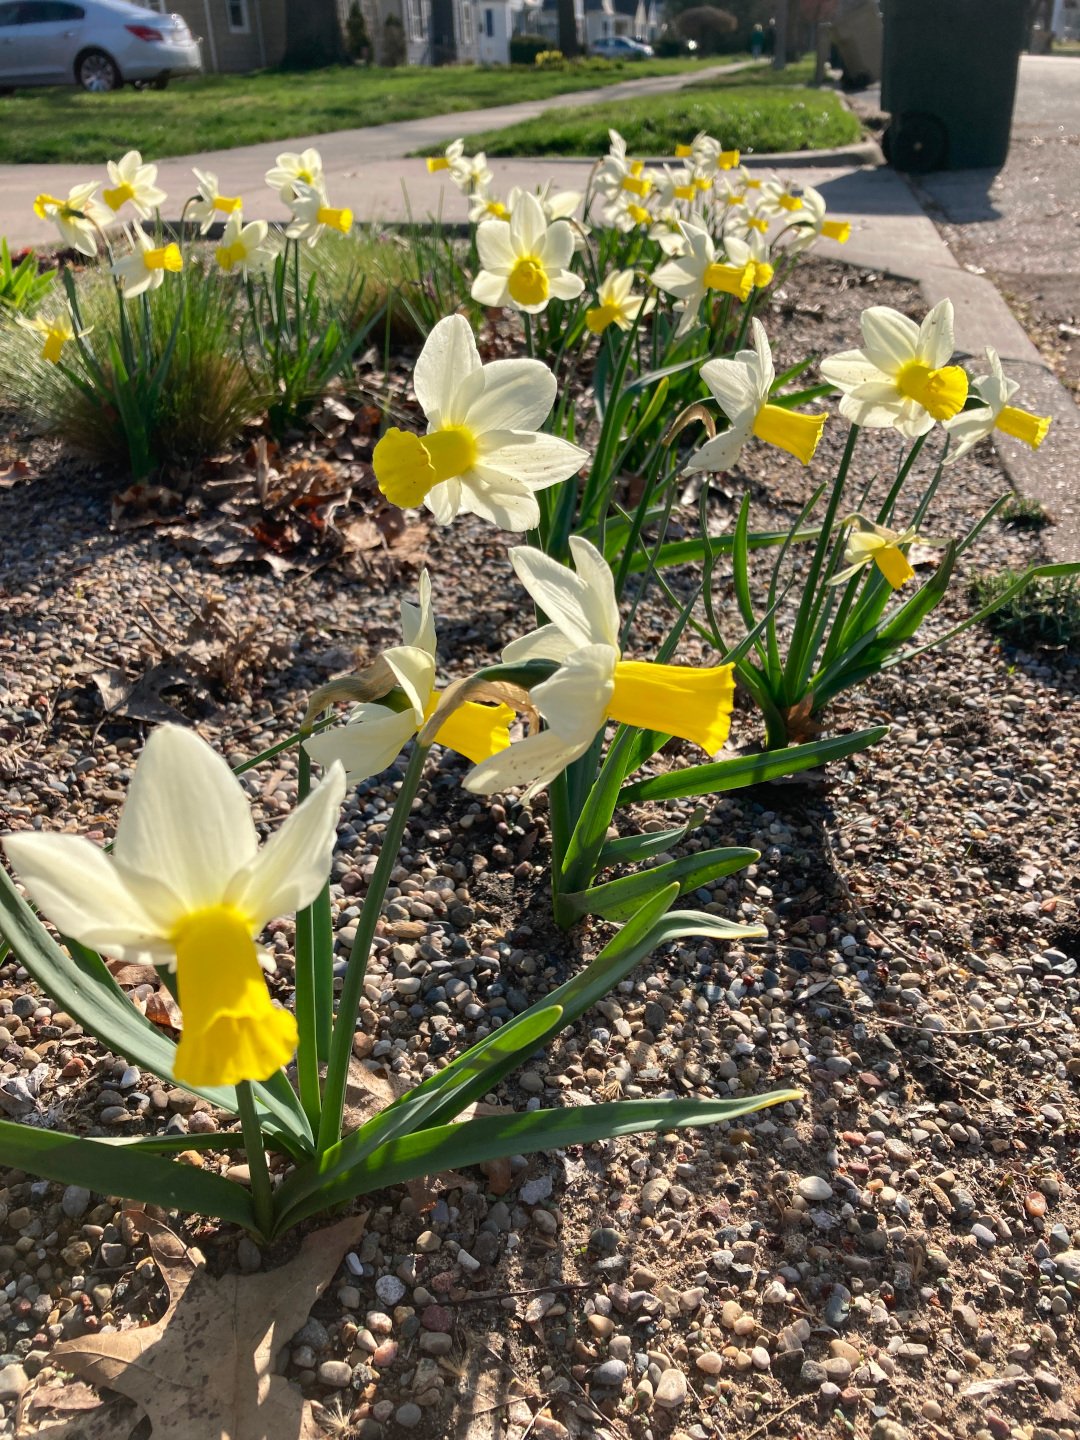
point(124, 973)
point(113, 1420)
point(64, 1397)
point(206, 1367)
point(141, 699)
point(162, 1009)
point(498, 1174)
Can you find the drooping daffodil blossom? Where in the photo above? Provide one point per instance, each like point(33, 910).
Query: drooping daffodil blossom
point(812, 222)
point(615, 303)
point(242, 245)
point(996, 389)
point(56, 331)
point(211, 205)
point(901, 378)
point(375, 734)
point(133, 182)
point(869, 543)
point(742, 387)
point(79, 218)
point(187, 888)
point(451, 156)
point(483, 453)
point(144, 268)
point(691, 275)
point(313, 213)
point(754, 250)
point(526, 263)
point(305, 167)
point(593, 684)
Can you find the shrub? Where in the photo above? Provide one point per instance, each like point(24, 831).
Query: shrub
point(357, 41)
point(525, 48)
point(1044, 615)
point(550, 60)
point(22, 289)
point(707, 26)
point(395, 50)
point(670, 46)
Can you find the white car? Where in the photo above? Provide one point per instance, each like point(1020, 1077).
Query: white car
point(98, 44)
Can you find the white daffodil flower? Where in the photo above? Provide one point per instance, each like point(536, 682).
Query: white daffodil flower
point(616, 305)
point(691, 275)
point(144, 268)
point(56, 332)
point(624, 215)
point(971, 426)
point(744, 220)
point(593, 684)
point(472, 173)
point(616, 178)
point(559, 206)
point(483, 206)
point(375, 735)
point(451, 156)
point(483, 453)
point(211, 204)
point(811, 222)
point(79, 218)
point(133, 181)
point(778, 199)
point(243, 245)
point(741, 388)
point(667, 231)
point(901, 377)
point(754, 250)
point(675, 185)
point(188, 888)
point(707, 155)
point(312, 214)
point(869, 543)
point(526, 263)
point(306, 168)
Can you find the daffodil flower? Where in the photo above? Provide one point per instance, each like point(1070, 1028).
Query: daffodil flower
point(971, 426)
point(872, 544)
point(78, 218)
point(448, 159)
point(616, 305)
point(472, 173)
point(374, 735)
point(56, 333)
point(144, 268)
point(593, 683)
point(559, 206)
point(778, 199)
point(312, 214)
point(690, 276)
point(243, 245)
point(901, 377)
point(211, 204)
point(616, 178)
point(667, 231)
point(187, 888)
point(624, 215)
point(811, 222)
point(675, 185)
point(486, 207)
point(483, 453)
point(745, 221)
point(133, 182)
point(525, 264)
point(741, 388)
point(754, 250)
point(306, 168)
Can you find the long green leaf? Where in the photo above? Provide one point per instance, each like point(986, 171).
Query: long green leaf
point(630, 848)
point(114, 1171)
point(619, 899)
point(473, 1141)
point(77, 984)
point(749, 769)
point(686, 552)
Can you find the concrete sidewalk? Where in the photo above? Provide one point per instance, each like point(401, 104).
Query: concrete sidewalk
point(364, 167)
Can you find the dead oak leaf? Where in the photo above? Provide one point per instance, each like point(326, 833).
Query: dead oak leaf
point(206, 1367)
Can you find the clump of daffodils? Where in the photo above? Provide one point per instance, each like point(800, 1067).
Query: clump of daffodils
point(525, 264)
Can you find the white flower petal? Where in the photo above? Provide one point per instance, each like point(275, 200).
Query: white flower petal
point(563, 596)
point(490, 289)
point(418, 624)
point(444, 501)
point(534, 761)
point(186, 823)
point(494, 247)
point(891, 340)
point(850, 368)
point(574, 700)
point(936, 336)
point(547, 643)
point(564, 285)
point(537, 460)
point(448, 356)
point(721, 453)
point(557, 249)
point(528, 226)
point(735, 387)
point(516, 395)
point(368, 744)
point(293, 865)
point(415, 671)
point(967, 429)
point(601, 604)
point(77, 887)
point(499, 498)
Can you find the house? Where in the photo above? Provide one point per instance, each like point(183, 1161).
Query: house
point(234, 34)
point(497, 24)
point(602, 19)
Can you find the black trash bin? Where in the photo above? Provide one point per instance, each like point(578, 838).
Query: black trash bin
point(949, 80)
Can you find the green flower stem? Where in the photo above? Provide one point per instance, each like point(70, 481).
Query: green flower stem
point(322, 949)
point(307, 1050)
point(337, 1072)
point(261, 1191)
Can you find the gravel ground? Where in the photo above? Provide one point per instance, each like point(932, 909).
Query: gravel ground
point(893, 1255)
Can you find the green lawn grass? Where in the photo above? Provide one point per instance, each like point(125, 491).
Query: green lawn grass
point(219, 111)
point(755, 118)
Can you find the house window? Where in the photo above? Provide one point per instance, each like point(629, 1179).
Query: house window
point(466, 23)
point(238, 16)
point(417, 20)
point(489, 23)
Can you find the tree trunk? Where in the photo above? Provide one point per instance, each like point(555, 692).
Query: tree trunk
point(313, 35)
point(568, 41)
